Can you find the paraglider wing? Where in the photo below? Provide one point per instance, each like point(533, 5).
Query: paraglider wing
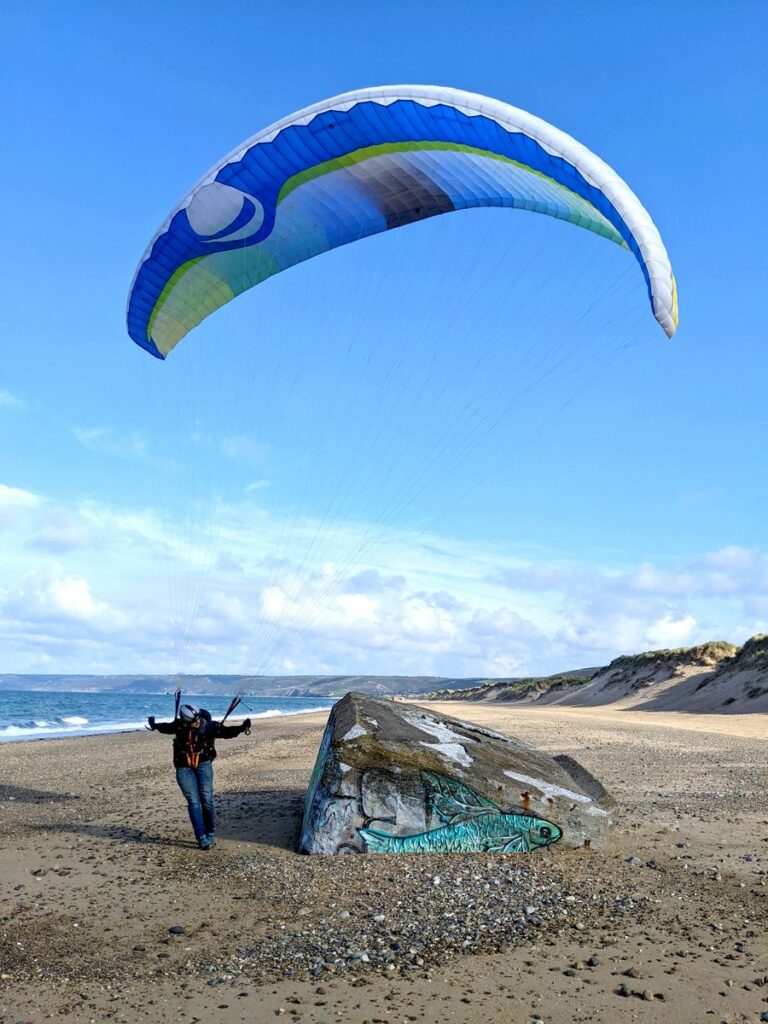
point(362, 163)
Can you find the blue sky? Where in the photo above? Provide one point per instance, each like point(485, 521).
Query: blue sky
point(297, 487)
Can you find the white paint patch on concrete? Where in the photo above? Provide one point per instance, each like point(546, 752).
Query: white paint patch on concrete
point(548, 789)
point(450, 744)
point(594, 809)
point(354, 732)
point(453, 751)
point(428, 724)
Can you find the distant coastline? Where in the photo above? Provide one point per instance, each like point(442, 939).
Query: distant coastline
point(715, 677)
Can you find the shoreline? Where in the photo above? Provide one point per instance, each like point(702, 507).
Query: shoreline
point(745, 725)
point(97, 865)
point(120, 728)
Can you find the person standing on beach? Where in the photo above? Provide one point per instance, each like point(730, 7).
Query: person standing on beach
point(194, 749)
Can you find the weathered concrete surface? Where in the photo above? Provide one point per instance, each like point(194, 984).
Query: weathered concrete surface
point(390, 769)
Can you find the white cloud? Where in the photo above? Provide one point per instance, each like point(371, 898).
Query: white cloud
point(134, 528)
point(17, 509)
point(9, 401)
point(15, 497)
point(425, 621)
point(57, 530)
point(133, 446)
point(357, 606)
point(671, 632)
point(94, 585)
point(258, 485)
point(371, 581)
point(73, 596)
point(227, 608)
point(244, 449)
point(45, 597)
point(227, 563)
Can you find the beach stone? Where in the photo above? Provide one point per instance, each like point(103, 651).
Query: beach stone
point(390, 768)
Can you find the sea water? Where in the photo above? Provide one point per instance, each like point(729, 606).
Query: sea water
point(37, 714)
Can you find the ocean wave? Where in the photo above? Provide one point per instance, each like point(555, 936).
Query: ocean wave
point(74, 725)
point(44, 723)
point(57, 730)
point(280, 714)
point(23, 723)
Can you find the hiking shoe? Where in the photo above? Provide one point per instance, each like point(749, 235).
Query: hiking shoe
point(211, 837)
point(205, 843)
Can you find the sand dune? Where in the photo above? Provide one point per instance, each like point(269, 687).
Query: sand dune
point(711, 678)
point(716, 677)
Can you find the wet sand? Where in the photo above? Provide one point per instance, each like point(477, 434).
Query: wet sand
point(97, 864)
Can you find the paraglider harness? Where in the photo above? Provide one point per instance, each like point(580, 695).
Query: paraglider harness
point(192, 747)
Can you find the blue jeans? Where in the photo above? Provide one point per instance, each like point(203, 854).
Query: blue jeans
point(197, 786)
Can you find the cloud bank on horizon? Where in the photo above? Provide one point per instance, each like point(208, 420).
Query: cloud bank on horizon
point(89, 587)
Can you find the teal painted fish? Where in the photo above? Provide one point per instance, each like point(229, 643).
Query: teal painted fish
point(487, 833)
point(473, 825)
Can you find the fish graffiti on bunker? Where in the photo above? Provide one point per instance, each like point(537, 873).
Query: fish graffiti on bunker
point(471, 824)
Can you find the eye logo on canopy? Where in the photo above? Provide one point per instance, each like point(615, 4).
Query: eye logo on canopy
point(221, 213)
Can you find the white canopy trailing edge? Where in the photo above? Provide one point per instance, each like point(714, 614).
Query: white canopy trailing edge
point(365, 162)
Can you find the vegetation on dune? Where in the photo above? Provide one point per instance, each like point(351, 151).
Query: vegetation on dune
point(531, 687)
point(716, 668)
point(709, 654)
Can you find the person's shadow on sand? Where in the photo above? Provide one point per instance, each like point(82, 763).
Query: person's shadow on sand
point(33, 796)
point(270, 817)
point(119, 833)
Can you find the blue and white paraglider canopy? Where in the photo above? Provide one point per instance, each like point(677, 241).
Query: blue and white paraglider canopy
point(365, 162)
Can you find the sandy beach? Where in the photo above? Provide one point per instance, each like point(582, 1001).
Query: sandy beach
point(670, 923)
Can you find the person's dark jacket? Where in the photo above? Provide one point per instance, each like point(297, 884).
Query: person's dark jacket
point(192, 747)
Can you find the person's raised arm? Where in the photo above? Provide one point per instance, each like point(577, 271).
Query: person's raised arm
point(227, 732)
point(167, 727)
